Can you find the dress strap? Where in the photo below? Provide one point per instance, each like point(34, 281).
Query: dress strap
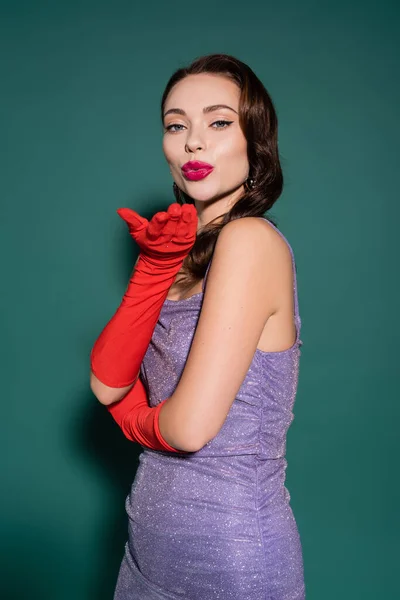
point(205, 276)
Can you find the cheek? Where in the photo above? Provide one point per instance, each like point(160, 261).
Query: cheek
point(165, 148)
point(232, 154)
point(169, 149)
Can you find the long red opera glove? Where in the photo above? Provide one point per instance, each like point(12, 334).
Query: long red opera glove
point(164, 242)
point(118, 352)
point(138, 421)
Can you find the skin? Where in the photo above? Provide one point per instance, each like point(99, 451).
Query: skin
point(202, 136)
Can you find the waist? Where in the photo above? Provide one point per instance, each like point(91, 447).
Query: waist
point(245, 466)
point(259, 451)
point(205, 486)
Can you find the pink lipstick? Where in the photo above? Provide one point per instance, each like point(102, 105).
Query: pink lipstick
point(194, 170)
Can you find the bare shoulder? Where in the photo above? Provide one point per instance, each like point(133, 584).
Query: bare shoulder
point(258, 234)
point(252, 258)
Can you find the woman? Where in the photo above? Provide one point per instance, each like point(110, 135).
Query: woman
point(204, 377)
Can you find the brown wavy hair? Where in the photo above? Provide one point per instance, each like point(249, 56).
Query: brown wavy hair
point(259, 123)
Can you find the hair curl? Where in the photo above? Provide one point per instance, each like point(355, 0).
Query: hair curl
point(259, 123)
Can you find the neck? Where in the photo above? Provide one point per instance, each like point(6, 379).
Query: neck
point(216, 208)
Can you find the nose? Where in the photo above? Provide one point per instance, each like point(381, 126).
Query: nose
point(194, 140)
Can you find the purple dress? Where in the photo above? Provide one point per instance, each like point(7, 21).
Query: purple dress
point(216, 523)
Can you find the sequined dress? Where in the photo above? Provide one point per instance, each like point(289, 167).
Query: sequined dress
point(216, 523)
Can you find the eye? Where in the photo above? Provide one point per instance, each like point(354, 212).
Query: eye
point(220, 121)
point(169, 127)
point(227, 123)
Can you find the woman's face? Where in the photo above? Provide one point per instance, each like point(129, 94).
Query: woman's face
point(213, 137)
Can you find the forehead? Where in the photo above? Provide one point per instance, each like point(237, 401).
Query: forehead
point(196, 91)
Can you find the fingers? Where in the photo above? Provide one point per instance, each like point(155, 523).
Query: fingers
point(132, 218)
point(187, 226)
point(182, 223)
point(174, 212)
point(164, 223)
point(189, 213)
point(178, 220)
point(156, 225)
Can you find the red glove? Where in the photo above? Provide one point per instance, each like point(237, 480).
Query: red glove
point(118, 352)
point(138, 421)
point(164, 242)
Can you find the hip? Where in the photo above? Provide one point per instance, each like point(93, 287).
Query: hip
point(197, 527)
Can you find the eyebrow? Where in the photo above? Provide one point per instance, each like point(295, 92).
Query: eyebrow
point(206, 109)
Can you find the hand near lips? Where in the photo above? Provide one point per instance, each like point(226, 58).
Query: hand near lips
point(168, 237)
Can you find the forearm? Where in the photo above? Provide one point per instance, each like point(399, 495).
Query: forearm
point(119, 350)
point(140, 423)
point(175, 426)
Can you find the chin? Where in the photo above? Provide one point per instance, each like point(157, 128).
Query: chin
point(202, 194)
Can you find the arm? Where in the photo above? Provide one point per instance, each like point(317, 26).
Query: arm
point(139, 421)
point(237, 303)
point(107, 394)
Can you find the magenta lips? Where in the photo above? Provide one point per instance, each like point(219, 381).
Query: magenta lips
point(195, 170)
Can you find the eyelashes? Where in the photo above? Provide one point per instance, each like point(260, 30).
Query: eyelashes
point(223, 121)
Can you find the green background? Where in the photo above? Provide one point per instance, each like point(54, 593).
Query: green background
point(81, 86)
